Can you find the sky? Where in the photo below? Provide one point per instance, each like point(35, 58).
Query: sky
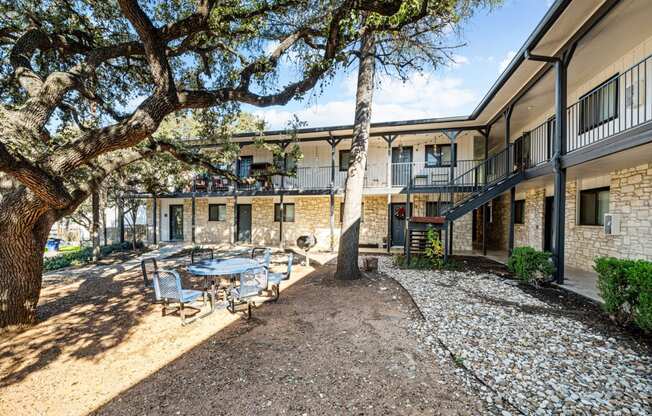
point(490, 38)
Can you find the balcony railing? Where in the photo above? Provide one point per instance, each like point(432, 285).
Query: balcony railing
point(618, 105)
point(426, 174)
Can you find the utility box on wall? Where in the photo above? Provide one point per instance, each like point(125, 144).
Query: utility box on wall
point(611, 224)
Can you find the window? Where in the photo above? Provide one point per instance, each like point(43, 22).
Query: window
point(594, 203)
point(216, 212)
point(438, 155)
point(599, 106)
point(290, 163)
point(361, 212)
point(288, 212)
point(519, 212)
point(435, 208)
point(244, 166)
point(344, 160)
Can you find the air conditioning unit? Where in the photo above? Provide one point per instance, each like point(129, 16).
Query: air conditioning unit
point(611, 224)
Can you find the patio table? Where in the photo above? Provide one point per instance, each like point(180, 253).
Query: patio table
point(210, 269)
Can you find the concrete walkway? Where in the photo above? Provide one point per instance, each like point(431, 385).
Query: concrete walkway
point(582, 282)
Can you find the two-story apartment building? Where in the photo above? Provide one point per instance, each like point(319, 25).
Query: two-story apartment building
point(560, 144)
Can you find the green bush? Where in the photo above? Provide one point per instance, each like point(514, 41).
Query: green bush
point(626, 287)
point(73, 258)
point(84, 255)
point(434, 251)
point(530, 265)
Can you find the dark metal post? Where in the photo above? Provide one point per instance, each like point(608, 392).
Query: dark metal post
point(508, 116)
point(121, 220)
point(485, 207)
point(235, 218)
point(192, 213)
point(408, 215)
point(154, 218)
point(559, 202)
point(389, 140)
point(331, 194)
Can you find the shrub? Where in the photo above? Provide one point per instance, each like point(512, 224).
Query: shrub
point(626, 287)
point(73, 258)
point(434, 251)
point(530, 265)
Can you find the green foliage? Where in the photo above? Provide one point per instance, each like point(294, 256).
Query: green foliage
point(626, 287)
point(84, 255)
point(434, 251)
point(416, 262)
point(530, 265)
point(69, 249)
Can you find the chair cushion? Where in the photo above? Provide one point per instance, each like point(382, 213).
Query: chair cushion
point(275, 278)
point(189, 295)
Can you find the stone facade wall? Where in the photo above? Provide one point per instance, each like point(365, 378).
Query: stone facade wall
point(498, 227)
point(630, 197)
point(531, 232)
point(213, 231)
point(463, 233)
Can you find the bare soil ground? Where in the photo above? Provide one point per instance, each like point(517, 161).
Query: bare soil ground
point(325, 348)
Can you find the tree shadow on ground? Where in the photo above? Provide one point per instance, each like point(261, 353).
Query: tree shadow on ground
point(81, 320)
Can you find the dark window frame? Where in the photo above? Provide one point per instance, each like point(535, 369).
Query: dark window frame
point(519, 212)
point(217, 207)
point(442, 163)
point(344, 167)
point(596, 192)
point(277, 212)
point(584, 103)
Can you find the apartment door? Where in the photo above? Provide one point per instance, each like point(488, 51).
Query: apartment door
point(401, 158)
point(176, 222)
point(547, 225)
point(244, 222)
point(398, 223)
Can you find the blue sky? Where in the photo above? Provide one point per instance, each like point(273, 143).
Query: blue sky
point(491, 39)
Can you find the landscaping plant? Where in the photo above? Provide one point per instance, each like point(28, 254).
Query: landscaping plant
point(531, 265)
point(434, 249)
point(626, 288)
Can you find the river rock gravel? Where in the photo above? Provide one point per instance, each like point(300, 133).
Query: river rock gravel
point(534, 357)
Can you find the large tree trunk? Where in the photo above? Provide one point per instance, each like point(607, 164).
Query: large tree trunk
point(23, 234)
point(347, 255)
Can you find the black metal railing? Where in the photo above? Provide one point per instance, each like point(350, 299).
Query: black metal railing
point(425, 174)
point(485, 174)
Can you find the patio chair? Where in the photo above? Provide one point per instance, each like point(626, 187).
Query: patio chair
point(199, 254)
point(167, 287)
point(251, 283)
point(274, 279)
point(267, 255)
point(148, 267)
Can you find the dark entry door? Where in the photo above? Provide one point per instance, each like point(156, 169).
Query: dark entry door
point(244, 223)
point(176, 222)
point(398, 223)
point(547, 225)
point(401, 159)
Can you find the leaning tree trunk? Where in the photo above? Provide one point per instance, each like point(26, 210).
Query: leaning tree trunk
point(24, 230)
point(347, 255)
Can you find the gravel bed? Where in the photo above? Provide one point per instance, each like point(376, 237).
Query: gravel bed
point(532, 357)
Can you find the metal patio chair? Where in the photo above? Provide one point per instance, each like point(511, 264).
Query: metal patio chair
point(251, 283)
point(274, 279)
point(167, 287)
point(148, 267)
point(199, 254)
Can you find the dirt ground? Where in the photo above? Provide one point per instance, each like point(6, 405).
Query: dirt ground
point(325, 348)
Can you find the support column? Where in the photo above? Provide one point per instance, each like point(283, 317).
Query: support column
point(508, 169)
point(452, 136)
point(121, 220)
point(389, 140)
point(235, 219)
point(485, 207)
point(333, 142)
point(192, 214)
point(281, 206)
point(154, 218)
point(408, 215)
point(559, 150)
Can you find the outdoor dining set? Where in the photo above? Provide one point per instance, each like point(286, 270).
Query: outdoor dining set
point(236, 280)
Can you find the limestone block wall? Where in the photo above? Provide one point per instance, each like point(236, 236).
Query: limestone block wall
point(531, 232)
point(630, 196)
point(216, 232)
point(463, 233)
point(498, 227)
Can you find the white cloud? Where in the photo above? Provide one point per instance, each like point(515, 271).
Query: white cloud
point(506, 61)
point(422, 96)
point(459, 60)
